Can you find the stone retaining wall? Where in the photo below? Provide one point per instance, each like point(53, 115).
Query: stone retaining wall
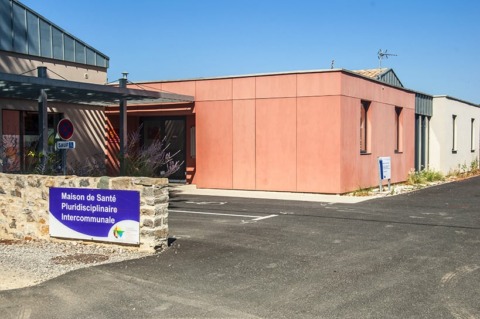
point(24, 204)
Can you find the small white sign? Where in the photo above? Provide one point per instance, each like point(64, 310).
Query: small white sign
point(385, 168)
point(65, 145)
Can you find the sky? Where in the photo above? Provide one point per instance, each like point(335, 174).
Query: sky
point(437, 43)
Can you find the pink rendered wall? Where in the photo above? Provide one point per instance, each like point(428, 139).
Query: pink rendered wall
point(295, 132)
point(318, 144)
point(214, 128)
point(361, 170)
point(276, 144)
point(244, 168)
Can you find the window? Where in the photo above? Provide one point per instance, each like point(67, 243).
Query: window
point(364, 136)
point(57, 43)
point(19, 29)
point(5, 26)
point(91, 57)
point(193, 138)
point(45, 40)
point(79, 53)
point(33, 34)
point(398, 129)
point(69, 48)
point(454, 134)
point(472, 135)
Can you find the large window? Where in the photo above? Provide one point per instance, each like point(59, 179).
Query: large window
point(24, 31)
point(364, 129)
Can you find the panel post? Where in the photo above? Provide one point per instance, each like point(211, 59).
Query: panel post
point(123, 125)
point(42, 120)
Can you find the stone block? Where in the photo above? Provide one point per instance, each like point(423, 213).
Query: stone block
point(147, 222)
point(147, 210)
point(49, 182)
point(103, 182)
point(161, 232)
point(84, 182)
point(121, 183)
point(156, 200)
point(158, 221)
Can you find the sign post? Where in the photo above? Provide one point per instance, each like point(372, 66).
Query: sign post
point(384, 171)
point(65, 131)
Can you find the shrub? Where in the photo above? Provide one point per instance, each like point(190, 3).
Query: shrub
point(152, 160)
point(424, 176)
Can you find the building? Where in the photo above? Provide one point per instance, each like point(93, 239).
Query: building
point(47, 74)
point(315, 131)
point(454, 135)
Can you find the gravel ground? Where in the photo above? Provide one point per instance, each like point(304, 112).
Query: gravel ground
point(27, 263)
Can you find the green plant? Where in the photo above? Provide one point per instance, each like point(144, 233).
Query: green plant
point(90, 166)
point(152, 160)
point(474, 166)
point(362, 192)
point(424, 176)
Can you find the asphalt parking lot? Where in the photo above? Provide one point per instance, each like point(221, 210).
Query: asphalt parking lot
point(409, 256)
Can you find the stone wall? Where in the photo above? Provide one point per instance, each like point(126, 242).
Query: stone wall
point(24, 201)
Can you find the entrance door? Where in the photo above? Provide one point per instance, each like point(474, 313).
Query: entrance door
point(173, 130)
point(20, 138)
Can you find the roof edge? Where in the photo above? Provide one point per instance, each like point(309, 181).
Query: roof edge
point(456, 99)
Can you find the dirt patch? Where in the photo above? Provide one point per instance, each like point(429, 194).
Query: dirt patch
point(79, 259)
point(8, 242)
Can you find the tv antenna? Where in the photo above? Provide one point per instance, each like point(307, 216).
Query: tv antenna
point(383, 55)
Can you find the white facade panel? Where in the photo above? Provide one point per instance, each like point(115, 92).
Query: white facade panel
point(454, 134)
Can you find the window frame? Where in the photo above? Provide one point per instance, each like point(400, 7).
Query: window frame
point(398, 129)
point(365, 130)
point(454, 134)
point(472, 135)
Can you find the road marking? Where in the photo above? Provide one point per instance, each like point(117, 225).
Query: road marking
point(264, 217)
point(206, 203)
point(255, 218)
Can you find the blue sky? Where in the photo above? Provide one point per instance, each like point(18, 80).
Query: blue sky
point(437, 42)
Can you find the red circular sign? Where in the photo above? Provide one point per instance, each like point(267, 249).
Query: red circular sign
point(65, 129)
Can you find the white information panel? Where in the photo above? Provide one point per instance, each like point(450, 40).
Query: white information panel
point(385, 168)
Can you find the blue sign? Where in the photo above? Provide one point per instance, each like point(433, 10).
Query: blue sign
point(95, 214)
point(65, 145)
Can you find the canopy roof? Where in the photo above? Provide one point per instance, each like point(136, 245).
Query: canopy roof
point(28, 88)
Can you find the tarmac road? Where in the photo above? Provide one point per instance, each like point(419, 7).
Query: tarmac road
point(409, 256)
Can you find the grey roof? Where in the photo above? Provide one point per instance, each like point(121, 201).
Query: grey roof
point(24, 31)
point(28, 88)
point(385, 75)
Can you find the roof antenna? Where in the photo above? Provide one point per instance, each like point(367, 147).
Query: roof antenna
point(383, 55)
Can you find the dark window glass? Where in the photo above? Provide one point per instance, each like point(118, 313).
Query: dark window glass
point(79, 52)
point(57, 40)
point(19, 29)
point(33, 34)
point(101, 61)
point(90, 57)
point(5, 26)
point(45, 40)
point(69, 48)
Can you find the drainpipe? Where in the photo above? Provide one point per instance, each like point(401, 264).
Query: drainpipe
point(42, 119)
point(122, 83)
